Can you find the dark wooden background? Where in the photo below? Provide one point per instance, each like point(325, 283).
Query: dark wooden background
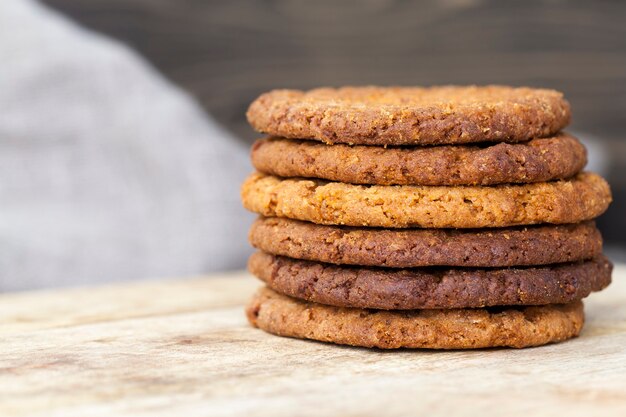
point(227, 52)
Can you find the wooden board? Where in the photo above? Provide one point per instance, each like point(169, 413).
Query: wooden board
point(184, 348)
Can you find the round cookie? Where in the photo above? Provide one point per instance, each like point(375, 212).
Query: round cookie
point(428, 288)
point(516, 327)
point(411, 115)
point(558, 157)
point(406, 248)
point(583, 197)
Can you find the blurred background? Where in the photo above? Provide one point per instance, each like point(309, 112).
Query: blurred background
point(123, 137)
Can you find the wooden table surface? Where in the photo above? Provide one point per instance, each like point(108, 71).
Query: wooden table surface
point(183, 347)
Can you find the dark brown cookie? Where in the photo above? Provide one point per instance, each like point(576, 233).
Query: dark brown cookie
point(427, 288)
point(431, 329)
point(558, 157)
point(411, 115)
point(406, 248)
point(583, 197)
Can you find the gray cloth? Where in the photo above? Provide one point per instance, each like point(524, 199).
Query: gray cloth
point(107, 171)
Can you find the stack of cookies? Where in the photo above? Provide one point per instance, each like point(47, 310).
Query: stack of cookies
point(444, 217)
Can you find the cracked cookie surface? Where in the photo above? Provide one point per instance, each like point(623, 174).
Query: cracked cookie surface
point(558, 157)
point(405, 248)
point(580, 198)
point(411, 115)
point(429, 288)
point(433, 329)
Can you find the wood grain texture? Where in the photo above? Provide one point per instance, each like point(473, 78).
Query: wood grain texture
point(185, 348)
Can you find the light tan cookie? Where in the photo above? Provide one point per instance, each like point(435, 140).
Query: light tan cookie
point(411, 115)
point(433, 329)
point(583, 197)
point(406, 248)
point(427, 288)
point(558, 157)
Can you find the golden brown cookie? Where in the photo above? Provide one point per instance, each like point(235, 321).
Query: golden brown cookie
point(406, 248)
point(583, 197)
point(411, 115)
point(433, 329)
point(427, 288)
point(558, 157)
